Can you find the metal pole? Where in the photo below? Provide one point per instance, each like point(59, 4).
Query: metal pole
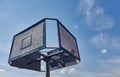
point(47, 67)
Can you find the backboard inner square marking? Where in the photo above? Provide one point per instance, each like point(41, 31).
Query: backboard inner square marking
point(26, 42)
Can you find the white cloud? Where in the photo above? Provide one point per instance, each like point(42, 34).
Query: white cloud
point(104, 40)
point(63, 71)
point(101, 40)
point(2, 70)
point(72, 70)
point(68, 71)
point(104, 51)
point(95, 16)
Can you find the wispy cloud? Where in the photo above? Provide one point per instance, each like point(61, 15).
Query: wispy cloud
point(72, 70)
point(112, 65)
point(68, 71)
point(76, 27)
point(63, 71)
point(5, 11)
point(112, 72)
point(115, 60)
point(105, 41)
point(94, 15)
point(4, 47)
point(103, 74)
point(2, 70)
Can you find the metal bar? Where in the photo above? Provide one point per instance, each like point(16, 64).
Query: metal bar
point(42, 54)
point(55, 54)
point(63, 64)
point(51, 19)
point(36, 60)
point(51, 47)
point(47, 67)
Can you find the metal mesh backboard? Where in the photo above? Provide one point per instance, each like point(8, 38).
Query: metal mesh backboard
point(68, 41)
point(65, 58)
point(68, 45)
point(25, 46)
point(29, 45)
point(26, 42)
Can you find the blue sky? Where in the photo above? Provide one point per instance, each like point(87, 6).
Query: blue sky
point(95, 24)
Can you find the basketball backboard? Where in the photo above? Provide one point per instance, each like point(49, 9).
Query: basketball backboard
point(28, 46)
point(67, 44)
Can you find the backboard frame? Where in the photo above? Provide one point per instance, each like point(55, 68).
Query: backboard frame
point(58, 22)
point(42, 47)
point(34, 50)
